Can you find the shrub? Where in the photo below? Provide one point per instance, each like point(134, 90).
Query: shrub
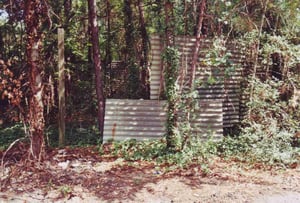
point(268, 130)
point(198, 152)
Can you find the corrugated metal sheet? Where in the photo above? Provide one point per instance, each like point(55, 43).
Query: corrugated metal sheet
point(219, 104)
point(208, 119)
point(228, 90)
point(137, 119)
point(145, 119)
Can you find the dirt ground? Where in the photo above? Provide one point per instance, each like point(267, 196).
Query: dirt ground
point(78, 175)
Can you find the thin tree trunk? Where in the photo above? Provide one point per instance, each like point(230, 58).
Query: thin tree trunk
point(169, 34)
point(145, 50)
point(133, 82)
point(61, 87)
point(2, 49)
point(97, 64)
point(36, 106)
point(108, 52)
point(263, 17)
point(67, 11)
point(129, 29)
point(171, 108)
point(202, 6)
point(265, 4)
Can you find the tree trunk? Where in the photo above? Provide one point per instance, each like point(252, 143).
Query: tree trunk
point(36, 106)
point(169, 77)
point(202, 6)
point(133, 82)
point(97, 64)
point(129, 30)
point(2, 49)
point(67, 11)
point(108, 52)
point(145, 50)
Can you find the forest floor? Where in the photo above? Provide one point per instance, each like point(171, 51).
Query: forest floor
point(82, 175)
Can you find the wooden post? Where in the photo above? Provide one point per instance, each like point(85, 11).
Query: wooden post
point(61, 87)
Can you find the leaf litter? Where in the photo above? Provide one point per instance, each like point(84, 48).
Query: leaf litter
point(82, 174)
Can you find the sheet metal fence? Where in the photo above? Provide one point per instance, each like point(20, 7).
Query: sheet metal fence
point(219, 102)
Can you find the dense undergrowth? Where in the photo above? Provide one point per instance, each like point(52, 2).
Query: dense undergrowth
point(269, 131)
point(198, 152)
point(268, 136)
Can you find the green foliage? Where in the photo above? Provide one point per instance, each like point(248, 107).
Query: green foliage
point(257, 147)
point(218, 57)
point(198, 152)
point(171, 59)
point(282, 45)
point(76, 135)
point(188, 104)
point(9, 134)
point(133, 150)
point(268, 130)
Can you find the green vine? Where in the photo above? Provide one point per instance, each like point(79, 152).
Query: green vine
point(171, 59)
point(219, 56)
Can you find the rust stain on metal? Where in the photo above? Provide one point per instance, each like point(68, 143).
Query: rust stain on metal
point(113, 131)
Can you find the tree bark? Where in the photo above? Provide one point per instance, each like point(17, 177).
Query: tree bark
point(67, 11)
point(2, 50)
point(108, 52)
point(145, 50)
point(97, 64)
point(36, 107)
point(133, 83)
point(202, 6)
point(129, 30)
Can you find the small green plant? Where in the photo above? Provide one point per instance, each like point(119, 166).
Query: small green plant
point(65, 190)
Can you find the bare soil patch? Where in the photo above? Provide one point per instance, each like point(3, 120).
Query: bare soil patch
point(82, 175)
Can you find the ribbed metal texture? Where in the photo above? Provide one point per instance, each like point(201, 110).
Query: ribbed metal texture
point(145, 119)
point(208, 118)
point(136, 119)
point(228, 86)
